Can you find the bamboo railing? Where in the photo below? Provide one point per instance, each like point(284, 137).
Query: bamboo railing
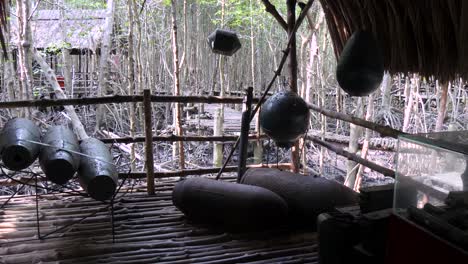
point(148, 99)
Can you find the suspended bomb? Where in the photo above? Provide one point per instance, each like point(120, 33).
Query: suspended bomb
point(224, 42)
point(16, 143)
point(360, 67)
point(59, 159)
point(285, 118)
point(97, 173)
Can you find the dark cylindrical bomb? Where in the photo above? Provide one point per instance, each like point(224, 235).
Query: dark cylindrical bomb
point(59, 159)
point(16, 143)
point(97, 173)
point(235, 206)
point(306, 196)
point(360, 67)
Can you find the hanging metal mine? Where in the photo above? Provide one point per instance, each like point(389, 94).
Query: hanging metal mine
point(17, 147)
point(285, 118)
point(59, 160)
point(360, 68)
point(97, 173)
point(224, 42)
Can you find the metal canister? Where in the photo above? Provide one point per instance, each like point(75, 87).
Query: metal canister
point(97, 173)
point(59, 159)
point(17, 143)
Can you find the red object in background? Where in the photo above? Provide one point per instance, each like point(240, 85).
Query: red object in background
point(409, 243)
point(61, 81)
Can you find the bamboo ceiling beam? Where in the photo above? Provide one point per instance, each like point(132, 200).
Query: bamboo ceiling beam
point(123, 99)
point(385, 131)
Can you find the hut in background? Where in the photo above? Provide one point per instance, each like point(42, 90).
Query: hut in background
point(81, 35)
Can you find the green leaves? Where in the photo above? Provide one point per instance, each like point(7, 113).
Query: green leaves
point(86, 4)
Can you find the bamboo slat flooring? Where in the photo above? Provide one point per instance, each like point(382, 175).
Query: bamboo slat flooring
point(148, 229)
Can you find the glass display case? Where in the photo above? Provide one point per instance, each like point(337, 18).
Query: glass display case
point(431, 185)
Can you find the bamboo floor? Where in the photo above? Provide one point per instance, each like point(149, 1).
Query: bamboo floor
point(145, 229)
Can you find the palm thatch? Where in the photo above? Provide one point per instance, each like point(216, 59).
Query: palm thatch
point(428, 37)
point(83, 29)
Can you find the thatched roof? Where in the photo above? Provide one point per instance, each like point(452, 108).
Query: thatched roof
point(429, 37)
point(83, 29)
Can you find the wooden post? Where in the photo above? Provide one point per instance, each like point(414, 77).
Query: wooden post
point(244, 136)
point(218, 131)
point(148, 142)
point(292, 68)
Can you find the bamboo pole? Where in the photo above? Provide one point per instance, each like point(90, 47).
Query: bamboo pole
point(123, 99)
point(13, 181)
point(371, 165)
point(173, 138)
point(244, 141)
point(203, 171)
point(385, 131)
point(148, 142)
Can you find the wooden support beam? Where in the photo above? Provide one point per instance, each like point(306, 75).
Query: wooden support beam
point(385, 131)
point(174, 138)
point(203, 171)
point(123, 99)
point(148, 142)
point(245, 126)
point(371, 165)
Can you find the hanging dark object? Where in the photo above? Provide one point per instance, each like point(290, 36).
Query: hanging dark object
point(224, 42)
point(285, 118)
point(97, 173)
point(236, 206)
point(360, 68)
point(59, 160)
point(16, 143)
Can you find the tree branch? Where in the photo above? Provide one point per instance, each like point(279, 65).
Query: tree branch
point(52, 80)
point(272, 10)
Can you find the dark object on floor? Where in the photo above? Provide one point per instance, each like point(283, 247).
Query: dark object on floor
point(347, 236)
point(236, 206)
point(16, 148)
point(224, 42)
point(285, 118)
point(375, 198)
point(410, 243)
point(338, 234)
point(97, 173)
point(306, 196)
point(59, 160)
point(360, 67)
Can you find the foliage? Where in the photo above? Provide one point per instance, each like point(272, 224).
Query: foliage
point(86, 4)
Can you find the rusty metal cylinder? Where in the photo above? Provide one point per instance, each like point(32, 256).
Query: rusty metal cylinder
point(59, 159)
point(306, 196)
point(235, 206)
point(17, 147)
point(97, 173)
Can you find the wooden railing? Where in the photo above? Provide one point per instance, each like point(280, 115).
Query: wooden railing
point(385, 131)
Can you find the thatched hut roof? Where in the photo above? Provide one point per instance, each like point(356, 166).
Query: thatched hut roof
point(83, 29)
point(429, 37)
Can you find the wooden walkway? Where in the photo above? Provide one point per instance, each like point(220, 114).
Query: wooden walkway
point(148, 229)
point(232, 119)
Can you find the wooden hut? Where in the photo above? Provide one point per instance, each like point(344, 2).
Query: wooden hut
point(79, 32)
